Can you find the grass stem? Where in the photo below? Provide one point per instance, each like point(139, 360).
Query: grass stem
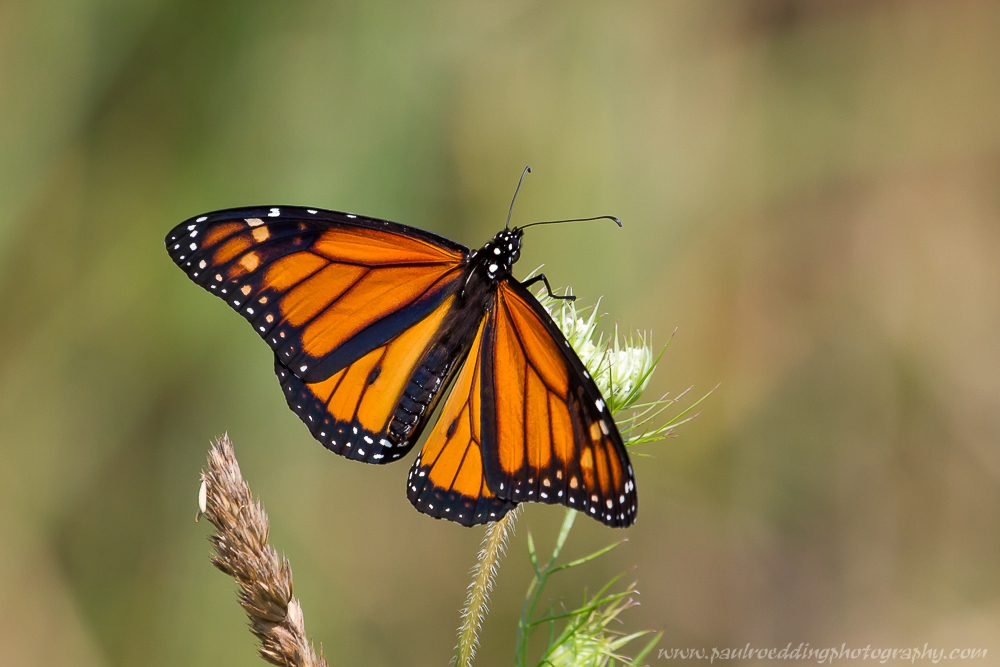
point(483, 574)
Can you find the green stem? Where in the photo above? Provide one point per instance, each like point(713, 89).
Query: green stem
point(524, 625)
point(483, 573)
point(567, 525)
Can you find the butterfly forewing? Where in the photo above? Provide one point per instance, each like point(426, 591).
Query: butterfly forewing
point(322, 288)
point(547, 434)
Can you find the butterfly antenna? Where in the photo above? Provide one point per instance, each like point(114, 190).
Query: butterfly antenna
point(556, 222)
point(527, 170)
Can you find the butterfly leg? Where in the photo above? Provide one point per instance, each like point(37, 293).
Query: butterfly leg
point(548, 288)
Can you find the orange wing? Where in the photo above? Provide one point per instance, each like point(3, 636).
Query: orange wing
point(446, 481)
point(356, 310)
point(323, 288)
point(547, 434)
point(375, 409)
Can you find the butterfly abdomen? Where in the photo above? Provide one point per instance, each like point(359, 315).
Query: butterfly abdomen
point(418, 396)
point(439, 364)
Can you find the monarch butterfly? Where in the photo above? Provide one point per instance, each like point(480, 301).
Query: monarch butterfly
point(370, 322)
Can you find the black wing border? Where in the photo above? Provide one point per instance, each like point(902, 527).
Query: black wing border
point(310, 215)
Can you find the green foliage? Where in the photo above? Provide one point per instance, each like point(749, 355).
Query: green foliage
point(622, 366)
point(580, 637)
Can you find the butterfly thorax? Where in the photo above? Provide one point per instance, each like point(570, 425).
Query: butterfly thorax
point(499, 254)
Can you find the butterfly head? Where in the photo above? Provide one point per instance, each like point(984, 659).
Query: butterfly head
point(500, 253)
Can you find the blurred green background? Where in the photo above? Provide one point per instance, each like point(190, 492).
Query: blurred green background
point(811, 193)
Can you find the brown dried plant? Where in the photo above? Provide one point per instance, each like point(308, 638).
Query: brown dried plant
point(242, 552)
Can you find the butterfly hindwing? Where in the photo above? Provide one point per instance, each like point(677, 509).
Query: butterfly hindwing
point(374, 409)
point(446, 481)
point(547, 434)
point(322, 288)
